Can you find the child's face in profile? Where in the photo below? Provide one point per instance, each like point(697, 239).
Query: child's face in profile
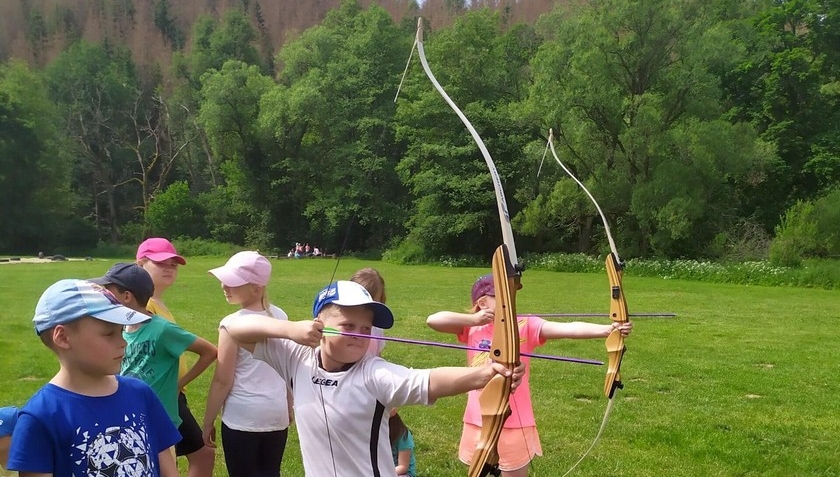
point(94, 345)
point(350, 319)
point(244, 295)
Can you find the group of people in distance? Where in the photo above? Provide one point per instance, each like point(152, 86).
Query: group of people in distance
point(303, 251)
point(117, 404)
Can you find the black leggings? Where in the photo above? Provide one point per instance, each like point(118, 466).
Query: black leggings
point(253, 454)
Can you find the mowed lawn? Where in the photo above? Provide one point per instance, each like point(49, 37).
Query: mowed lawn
point(744, 382)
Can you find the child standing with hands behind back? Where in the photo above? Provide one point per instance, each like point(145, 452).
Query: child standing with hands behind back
point(519, 442)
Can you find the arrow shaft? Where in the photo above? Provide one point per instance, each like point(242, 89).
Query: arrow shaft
point(333, 331)
point(598, 315)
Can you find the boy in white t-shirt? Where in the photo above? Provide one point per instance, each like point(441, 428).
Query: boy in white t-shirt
point(342, 395)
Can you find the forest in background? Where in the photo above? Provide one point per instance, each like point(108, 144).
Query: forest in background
point(705, 129)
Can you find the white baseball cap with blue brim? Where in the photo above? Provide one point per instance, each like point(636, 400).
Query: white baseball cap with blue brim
point(69, 300)
point(347, 293)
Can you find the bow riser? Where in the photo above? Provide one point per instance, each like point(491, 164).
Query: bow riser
point(494, 400)
point(618, 314)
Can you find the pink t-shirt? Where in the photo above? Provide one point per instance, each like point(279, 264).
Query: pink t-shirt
point(521, 411)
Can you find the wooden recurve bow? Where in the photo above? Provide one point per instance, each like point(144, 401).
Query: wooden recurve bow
point(494, 399)
point(618, 311)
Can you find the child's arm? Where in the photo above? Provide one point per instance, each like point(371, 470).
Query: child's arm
point(220, 386)
point(453, 322)
point(581, 330)
point(166, 459)
point(403, 461)
point(206, 352)
point(248, 330)
point(451, 381)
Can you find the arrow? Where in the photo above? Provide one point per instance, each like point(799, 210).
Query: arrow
point(598, 315)
point(333, 331)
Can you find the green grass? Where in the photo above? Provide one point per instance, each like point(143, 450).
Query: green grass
point(742, 383)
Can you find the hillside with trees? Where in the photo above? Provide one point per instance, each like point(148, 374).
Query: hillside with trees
point(705, 129)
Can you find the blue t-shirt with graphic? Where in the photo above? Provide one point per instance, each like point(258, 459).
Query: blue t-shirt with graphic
point(63, 433)
point(406, 442)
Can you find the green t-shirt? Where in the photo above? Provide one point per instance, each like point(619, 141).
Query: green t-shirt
point(152, 354)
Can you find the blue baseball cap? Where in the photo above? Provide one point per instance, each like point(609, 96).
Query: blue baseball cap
point(8, 418)
point(130, 276)
point(346, 293)
point(68, 300)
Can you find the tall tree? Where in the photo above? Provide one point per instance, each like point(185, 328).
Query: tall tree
point(483, 68)
point(95, 87)
point(229, 115)
point(637, 113)
point(40, 212)
point(332, 117)
point(787, 87)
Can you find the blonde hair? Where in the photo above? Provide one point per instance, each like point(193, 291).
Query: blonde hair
point(372, 281)
point(266, 304)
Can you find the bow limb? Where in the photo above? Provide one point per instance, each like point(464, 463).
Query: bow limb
point(618, 310)
point(494, 399)
point(504, 215)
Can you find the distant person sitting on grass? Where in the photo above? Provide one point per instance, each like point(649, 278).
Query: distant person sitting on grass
point(88, 421)
point(8, 418)
point(155, 347)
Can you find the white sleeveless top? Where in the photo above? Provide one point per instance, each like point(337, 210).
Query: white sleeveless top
point(257, 401)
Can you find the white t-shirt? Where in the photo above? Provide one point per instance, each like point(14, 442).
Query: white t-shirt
point(356, 403)
point(257, 400)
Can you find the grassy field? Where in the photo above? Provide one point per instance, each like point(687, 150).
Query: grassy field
point(742, 383)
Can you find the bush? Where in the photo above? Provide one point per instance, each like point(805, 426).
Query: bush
point(808, 230)
point(204, 248)
point(405, 253)
point(176, 213)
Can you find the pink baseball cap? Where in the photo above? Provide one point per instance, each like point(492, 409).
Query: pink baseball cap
point(244, 268)
point(158, 249)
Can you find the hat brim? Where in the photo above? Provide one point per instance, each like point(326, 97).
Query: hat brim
point(121, 315)
point(101, 281)
point(228, 277)
point(164, 256)
point(382, 316)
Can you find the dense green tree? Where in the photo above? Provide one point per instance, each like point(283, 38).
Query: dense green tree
point(40, 211)
point(229, 115)
point(628, 90)
point(96, 88)
point(484, 70)
point(332, 117)
point(786, 86)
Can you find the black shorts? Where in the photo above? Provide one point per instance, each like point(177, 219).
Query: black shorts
point(191, 437)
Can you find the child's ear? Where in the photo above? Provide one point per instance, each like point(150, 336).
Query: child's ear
point(59, 337)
